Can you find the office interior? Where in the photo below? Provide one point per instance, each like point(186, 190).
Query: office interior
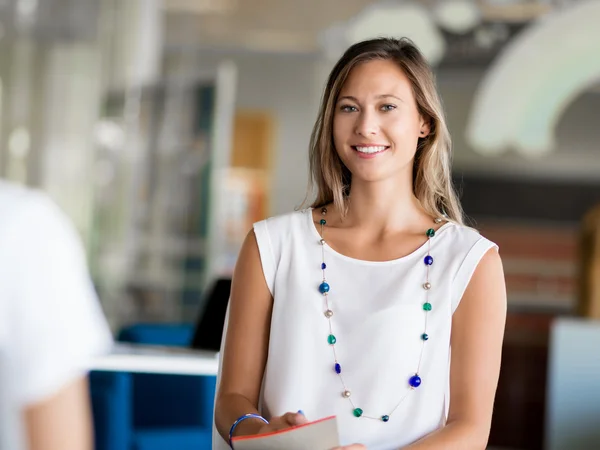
point(166, 128)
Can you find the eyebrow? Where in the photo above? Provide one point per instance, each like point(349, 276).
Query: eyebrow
point(349, 97)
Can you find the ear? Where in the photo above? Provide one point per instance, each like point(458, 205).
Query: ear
point(425, 128)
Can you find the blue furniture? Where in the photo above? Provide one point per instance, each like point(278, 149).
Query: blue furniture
point(134, 411)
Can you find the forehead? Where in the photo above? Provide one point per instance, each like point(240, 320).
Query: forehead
point(376, 78)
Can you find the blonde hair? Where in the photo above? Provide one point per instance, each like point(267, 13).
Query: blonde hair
point(432, 178)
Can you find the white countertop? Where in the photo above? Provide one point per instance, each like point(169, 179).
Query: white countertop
point(158, 359)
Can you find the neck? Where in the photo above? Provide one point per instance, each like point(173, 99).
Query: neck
point(384, 207)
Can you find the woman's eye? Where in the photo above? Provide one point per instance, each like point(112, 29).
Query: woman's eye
point(348, 108)
point(388, 107)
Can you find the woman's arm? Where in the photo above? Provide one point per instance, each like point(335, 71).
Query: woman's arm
point(246, 343)
point(246, 347)
point(63, 421)
point(477, 334)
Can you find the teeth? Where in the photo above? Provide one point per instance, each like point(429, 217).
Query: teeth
point(370, 149)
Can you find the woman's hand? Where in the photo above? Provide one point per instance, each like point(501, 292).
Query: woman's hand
point(282, 422)
point(351, 447)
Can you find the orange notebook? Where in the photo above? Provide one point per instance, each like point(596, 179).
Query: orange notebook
point(321, 434)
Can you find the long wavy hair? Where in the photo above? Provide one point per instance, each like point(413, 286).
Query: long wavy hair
point(432, 178)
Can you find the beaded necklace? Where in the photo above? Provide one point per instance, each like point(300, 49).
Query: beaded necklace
point(324, 288)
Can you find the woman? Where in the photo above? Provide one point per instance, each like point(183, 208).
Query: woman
point(350, 308)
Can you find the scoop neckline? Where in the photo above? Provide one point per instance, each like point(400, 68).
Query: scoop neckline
point(316, 233)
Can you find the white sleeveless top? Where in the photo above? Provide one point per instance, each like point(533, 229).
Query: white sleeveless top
point(378, 322)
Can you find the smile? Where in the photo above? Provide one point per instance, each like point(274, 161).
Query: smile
point(370, 150)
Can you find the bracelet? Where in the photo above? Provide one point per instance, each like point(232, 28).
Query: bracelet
point(241, 419)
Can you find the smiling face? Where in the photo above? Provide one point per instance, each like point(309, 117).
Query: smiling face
point(376, 124)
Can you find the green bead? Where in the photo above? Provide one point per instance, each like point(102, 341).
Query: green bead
point(357, 412)
point(430, 232)
point(385, 418)
point(323, 221)
point(331, 339)
point(427, 306)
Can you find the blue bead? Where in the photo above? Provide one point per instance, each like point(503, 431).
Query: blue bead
point(424, 336)
point(415, 381)
point(338, 368)
point(428, 260)
point(323, 288)
point(385, 418)
point(323, 266)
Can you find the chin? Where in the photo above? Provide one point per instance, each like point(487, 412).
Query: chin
point(371, 176)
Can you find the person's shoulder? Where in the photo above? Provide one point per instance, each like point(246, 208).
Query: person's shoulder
point(464, 236)
point(28, 214)
point(18, 202)
point(13, 197)
point(284, 222)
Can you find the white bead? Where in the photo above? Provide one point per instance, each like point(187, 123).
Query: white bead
point(346, 394)
point(438, 220)
point(427, 286)
point(328, 313)
point(322, 242)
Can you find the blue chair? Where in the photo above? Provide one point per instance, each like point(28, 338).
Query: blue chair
point(164, 411)
point(111, 408)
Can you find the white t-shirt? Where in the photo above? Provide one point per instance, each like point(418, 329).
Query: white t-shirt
point(51, 323)
point(378, 322)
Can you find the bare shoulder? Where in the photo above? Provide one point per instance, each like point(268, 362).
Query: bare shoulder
point(248, 269)
point(485, 295)
point(489, 273)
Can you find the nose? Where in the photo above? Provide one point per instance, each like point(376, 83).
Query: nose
point(366, 124)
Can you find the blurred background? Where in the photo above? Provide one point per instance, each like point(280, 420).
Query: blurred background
point(165, 128)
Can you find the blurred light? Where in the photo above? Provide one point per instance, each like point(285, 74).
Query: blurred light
point(484, 38)
point(457, 16)
point(539, 73)
point(400, 20)
point(26, 8)
point(19, 143)
point(109, 134)
point(490, 35)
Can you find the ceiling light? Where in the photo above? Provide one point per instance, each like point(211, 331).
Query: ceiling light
point(457, 16)
point(524, 93)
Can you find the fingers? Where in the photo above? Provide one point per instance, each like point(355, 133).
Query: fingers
point(286, 421)
point(293, 419)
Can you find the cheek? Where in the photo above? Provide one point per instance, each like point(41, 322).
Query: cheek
point(400, 126)
point(341, 126)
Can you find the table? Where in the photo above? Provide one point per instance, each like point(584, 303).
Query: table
point(157, 360)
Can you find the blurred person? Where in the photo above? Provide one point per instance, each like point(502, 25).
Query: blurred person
point(352, 307)
point(51, 325)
